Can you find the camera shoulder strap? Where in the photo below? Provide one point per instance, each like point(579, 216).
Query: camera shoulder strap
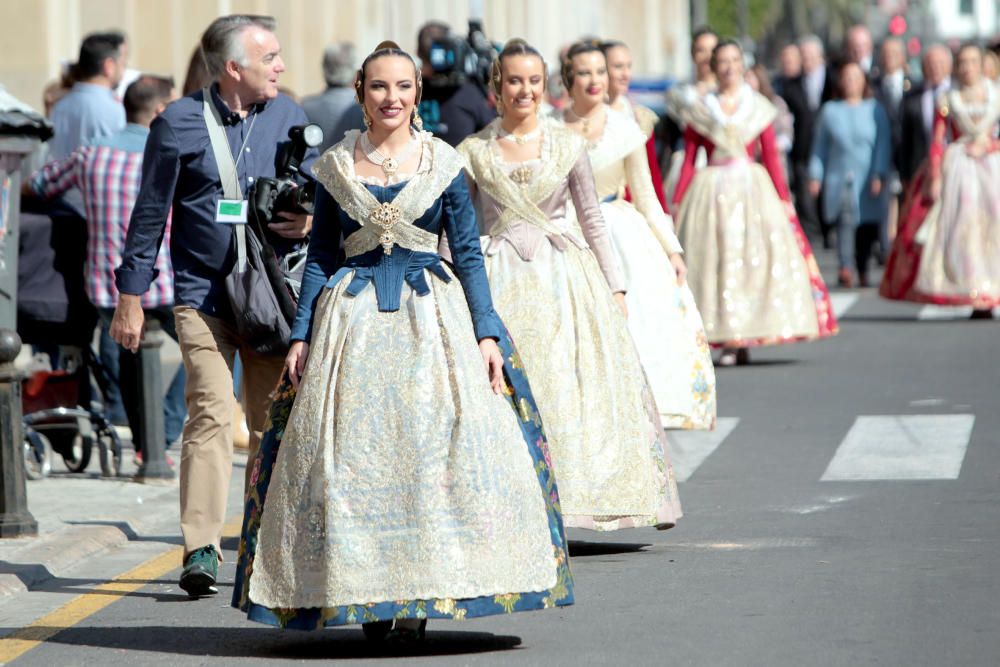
point(227, 170)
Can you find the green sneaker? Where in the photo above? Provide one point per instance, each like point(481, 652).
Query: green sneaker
point(200, 569)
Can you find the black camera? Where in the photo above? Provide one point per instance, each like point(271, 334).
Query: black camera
point(456, 60)
point(269, 196)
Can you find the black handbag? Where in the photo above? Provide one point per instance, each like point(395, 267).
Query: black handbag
point(261, 314)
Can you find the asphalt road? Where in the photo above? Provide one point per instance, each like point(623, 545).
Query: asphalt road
point(810, 537)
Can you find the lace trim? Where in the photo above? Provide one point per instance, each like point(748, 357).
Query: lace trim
point(335, 170)
point(732, 134)
point(646, 118)
point(621, 136)
point(522, 202)
point(973, 120)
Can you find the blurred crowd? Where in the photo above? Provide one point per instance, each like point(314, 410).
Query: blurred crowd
point(855, 124)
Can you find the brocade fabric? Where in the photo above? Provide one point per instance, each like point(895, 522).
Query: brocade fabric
point(395, 483)
point(750, 267)
point(662, 316)
point(947, 252)
point(604, 431)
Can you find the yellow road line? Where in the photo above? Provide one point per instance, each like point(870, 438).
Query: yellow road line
point(83, 606)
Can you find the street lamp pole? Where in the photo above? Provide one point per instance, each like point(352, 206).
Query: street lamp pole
point(699, 12)
point(15, 518)
point(743, 20)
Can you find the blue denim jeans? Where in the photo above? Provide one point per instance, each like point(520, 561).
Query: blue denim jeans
point(107, 350)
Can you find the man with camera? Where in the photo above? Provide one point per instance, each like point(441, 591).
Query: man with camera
point(454, 103)
point(245, 115)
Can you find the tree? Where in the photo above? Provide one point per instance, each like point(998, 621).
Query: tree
point(768, 21)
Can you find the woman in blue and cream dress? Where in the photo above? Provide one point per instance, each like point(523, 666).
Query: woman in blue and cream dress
point(404, 474)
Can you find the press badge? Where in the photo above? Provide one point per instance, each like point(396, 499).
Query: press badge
point(231, 211)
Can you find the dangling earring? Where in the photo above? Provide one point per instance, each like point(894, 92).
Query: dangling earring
point(416, 121)
point(364, 114)
point(500, 108)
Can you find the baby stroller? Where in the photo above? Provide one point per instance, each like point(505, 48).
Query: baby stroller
point(62, 409)
point(59, 415)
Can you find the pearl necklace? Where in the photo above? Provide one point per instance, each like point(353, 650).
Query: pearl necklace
point(389, 164)
point(520, 140)
point(584, 120)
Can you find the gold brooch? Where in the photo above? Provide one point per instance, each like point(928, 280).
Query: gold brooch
point(386, 216)
point(522, 175)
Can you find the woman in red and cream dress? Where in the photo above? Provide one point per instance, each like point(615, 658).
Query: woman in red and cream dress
point(947, 250)
point(750, 267)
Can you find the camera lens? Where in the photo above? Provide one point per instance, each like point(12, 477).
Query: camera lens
point(313, 135)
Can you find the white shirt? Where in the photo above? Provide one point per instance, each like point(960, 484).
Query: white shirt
point(929, 100)
point(892, 84)
point(813, 82)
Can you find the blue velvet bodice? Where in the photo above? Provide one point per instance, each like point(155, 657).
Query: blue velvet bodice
point(452, 212)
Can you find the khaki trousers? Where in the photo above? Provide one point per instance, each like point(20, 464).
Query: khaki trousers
point(208, 347)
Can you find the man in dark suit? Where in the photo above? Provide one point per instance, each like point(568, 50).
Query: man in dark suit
point(917, 112)
point(789, 68)
point(859, 48)
point(804, 96)
point(892, 83)
point(889, 87)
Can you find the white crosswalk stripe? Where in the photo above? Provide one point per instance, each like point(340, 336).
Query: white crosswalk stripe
point(842, 302)
point(689, 449)
point(902, 447)
point(933, 312)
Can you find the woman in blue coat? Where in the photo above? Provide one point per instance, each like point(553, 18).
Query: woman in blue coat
point(850, 161)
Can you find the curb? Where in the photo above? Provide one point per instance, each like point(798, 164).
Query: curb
point(46, 557)
point(42, 559)
point(56, 552)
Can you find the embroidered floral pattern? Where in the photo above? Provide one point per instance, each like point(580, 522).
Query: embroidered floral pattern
point(560, 594)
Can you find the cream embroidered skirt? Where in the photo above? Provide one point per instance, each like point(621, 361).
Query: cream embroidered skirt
point(664, 322)
point(960, 262)
point(750, 267)
point(608, 447)
point(397, 484)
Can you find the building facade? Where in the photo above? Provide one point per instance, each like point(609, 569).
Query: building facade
point(42, 35)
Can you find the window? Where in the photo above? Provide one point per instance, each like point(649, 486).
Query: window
point(965, 7)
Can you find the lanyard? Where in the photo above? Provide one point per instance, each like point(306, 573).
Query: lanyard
point(243, 146)
point(220, 146)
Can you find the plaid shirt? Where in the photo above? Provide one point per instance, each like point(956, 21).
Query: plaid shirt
point(108, 172)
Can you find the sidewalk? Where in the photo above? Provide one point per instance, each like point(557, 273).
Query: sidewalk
point(81, 516)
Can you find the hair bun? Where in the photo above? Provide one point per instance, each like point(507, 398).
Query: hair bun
point(515, 41)
point(387, 44)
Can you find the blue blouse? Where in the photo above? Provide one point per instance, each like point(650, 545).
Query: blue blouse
point(852, 145)
point(453, 212)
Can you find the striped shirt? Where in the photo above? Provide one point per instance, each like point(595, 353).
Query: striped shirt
point(108, 172)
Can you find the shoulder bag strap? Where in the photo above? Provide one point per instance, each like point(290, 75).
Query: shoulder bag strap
point(227, 170)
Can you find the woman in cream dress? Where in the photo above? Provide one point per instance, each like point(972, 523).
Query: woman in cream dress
point(619, 61)
point(662, 315)
point(404, 474)
point(751, 269)
point(558, 286)
point(682, 96)
point(947, 250)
